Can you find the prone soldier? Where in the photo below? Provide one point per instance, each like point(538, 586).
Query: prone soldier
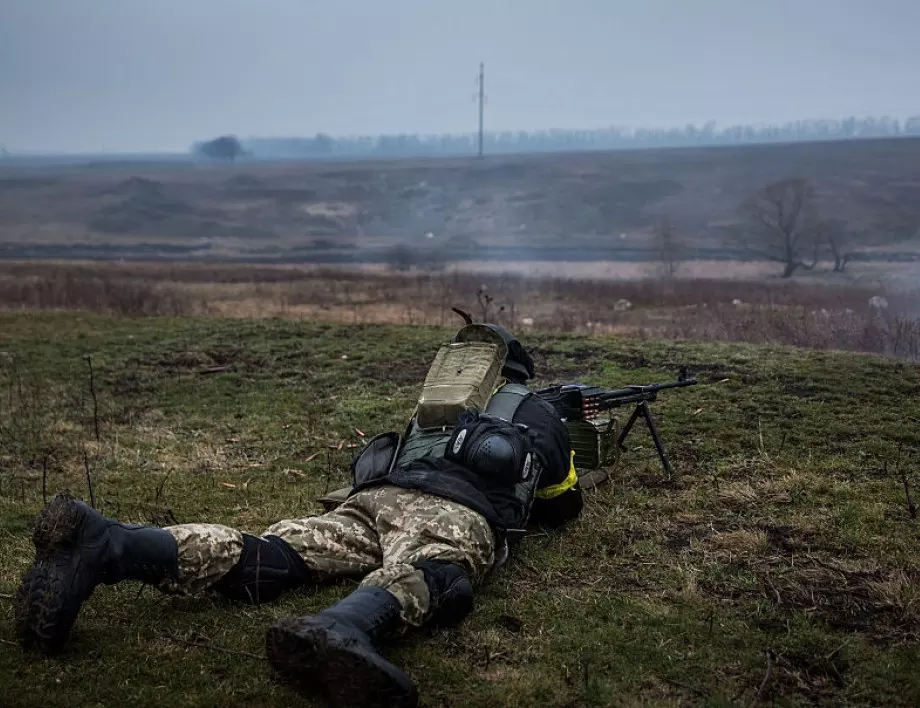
point(427, 519)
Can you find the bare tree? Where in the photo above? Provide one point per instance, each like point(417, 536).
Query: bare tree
point(668, 248)
point(835, 233)
point(785, 225)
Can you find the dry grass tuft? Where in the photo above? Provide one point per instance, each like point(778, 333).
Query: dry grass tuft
point(738, 495)
point(742, 541)
point(899, 592)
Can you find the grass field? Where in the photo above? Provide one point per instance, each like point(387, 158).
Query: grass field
point(780, 567)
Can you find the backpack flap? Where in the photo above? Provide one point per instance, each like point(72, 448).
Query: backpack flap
point(462, 377)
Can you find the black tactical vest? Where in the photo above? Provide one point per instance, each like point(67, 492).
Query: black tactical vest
point(432, 443)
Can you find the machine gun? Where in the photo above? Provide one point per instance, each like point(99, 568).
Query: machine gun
point(582, 407)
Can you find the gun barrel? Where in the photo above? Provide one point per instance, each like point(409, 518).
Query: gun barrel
point(631, 394)
point(649, 388)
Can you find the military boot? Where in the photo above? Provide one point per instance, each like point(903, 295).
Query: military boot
point(76, 549)
point(334, 652)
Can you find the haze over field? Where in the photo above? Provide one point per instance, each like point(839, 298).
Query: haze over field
point(132, 76)
point(861, 199)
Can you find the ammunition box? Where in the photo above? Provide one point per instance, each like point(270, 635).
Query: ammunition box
point(594, 442)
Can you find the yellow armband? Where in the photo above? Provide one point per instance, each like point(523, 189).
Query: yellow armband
point(570, 481)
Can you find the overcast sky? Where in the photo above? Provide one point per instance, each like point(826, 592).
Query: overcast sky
point(123, 75)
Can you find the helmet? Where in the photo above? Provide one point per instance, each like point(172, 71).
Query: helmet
point(518, 364)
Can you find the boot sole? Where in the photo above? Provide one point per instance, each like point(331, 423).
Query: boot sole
point(43, 616)
point(316, 659)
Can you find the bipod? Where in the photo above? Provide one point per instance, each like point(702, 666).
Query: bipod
point(643, 410)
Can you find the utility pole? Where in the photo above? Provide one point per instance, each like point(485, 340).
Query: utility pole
point(482, 88)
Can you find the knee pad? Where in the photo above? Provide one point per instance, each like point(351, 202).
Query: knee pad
point(450, 590)
point(267, 567)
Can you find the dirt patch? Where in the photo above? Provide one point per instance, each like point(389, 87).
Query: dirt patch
point(405, 374)
point(685, 456)
point(554, 364)
point(128, 381)
point(651, 481)
point(879, 602)
point(813, 668)
point(184, 361)
point(683, 534)
point(213, 359)
point(630, 362)
point(789, 539)
point(710, 372)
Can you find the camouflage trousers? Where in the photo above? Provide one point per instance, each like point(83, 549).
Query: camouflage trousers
point(377, 533)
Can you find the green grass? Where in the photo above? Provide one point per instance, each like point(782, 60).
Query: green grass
point(786, 540)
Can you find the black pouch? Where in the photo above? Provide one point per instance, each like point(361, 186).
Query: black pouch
point(376, 459)
point(492, 448)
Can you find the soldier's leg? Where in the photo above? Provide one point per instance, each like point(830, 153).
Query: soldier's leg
point(76, 549)
point(290, 553)
point(432, 549)
point(235, 564)
point(434, 552)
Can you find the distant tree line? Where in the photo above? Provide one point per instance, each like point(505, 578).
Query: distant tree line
point(323, 146)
